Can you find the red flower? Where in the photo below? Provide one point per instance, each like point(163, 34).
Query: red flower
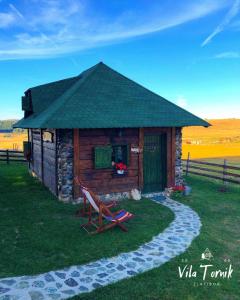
point(120, 166)
point(179, 188)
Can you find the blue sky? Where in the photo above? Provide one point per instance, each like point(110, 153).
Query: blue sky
point(186, 51)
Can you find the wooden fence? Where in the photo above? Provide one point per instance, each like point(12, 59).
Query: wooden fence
point(12, 156)
point(224, 172)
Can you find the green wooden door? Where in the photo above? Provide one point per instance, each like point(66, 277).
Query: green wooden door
point(155, 162)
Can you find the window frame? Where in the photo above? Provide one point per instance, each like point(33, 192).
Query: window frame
point(127, 163)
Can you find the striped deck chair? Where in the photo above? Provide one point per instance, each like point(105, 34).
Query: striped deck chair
point(84, 212)
point(106, 219)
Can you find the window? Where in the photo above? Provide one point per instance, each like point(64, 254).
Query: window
point(47, 136)
point(105, 155)
point(120, 153)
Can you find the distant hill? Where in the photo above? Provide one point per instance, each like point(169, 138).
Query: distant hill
point(7, 124)
point(222, 131)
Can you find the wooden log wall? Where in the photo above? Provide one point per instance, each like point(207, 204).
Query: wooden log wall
point(36, 164)
point(103, 181)
point(49, 163)
point(44, 158)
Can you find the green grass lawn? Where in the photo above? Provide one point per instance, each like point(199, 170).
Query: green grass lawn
point(220, 215)
point(38, 233)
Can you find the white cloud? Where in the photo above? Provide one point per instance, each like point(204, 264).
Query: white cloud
point(57, 27)
point(230, 54)
point(227, 19)
point(181, 101)
point(16, 11)
point(54, 13)
point(6, 19)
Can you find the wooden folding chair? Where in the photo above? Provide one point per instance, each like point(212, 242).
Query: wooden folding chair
point(106, 219)
point(84, 212)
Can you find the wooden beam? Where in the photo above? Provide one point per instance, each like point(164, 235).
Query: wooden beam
point(32, 156)
point(42, 167)
point(155, 130)
point(140, 158)
point(76, 156)
point(173, 133)
point(169, 157)
point(56, 161)
point(31, 149)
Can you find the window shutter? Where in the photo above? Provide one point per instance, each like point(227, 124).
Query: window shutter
point(103, 157)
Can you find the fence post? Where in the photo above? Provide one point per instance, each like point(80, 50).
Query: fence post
point(7, 156)
point(224, 173)
point(187, 166)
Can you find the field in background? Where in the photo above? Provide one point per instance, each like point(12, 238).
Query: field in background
point(12, 141)
point(213, 153)
point(215, 143)
point(221, 131)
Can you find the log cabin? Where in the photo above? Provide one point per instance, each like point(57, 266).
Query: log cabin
point(90, 124)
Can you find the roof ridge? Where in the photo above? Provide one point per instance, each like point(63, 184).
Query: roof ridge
point(61, 99)
point(68, 78)
point(53, 82)
point(168, 101)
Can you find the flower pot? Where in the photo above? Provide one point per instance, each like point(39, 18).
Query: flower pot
point(187, 190)
point(120, 172)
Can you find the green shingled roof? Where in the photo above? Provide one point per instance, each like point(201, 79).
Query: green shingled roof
point(102, 98)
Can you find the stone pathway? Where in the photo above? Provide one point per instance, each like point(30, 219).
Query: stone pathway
point(63, 284)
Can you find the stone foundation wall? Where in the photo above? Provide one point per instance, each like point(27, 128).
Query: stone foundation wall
point(65, 164)
point(178, 159)
point(108, 197)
